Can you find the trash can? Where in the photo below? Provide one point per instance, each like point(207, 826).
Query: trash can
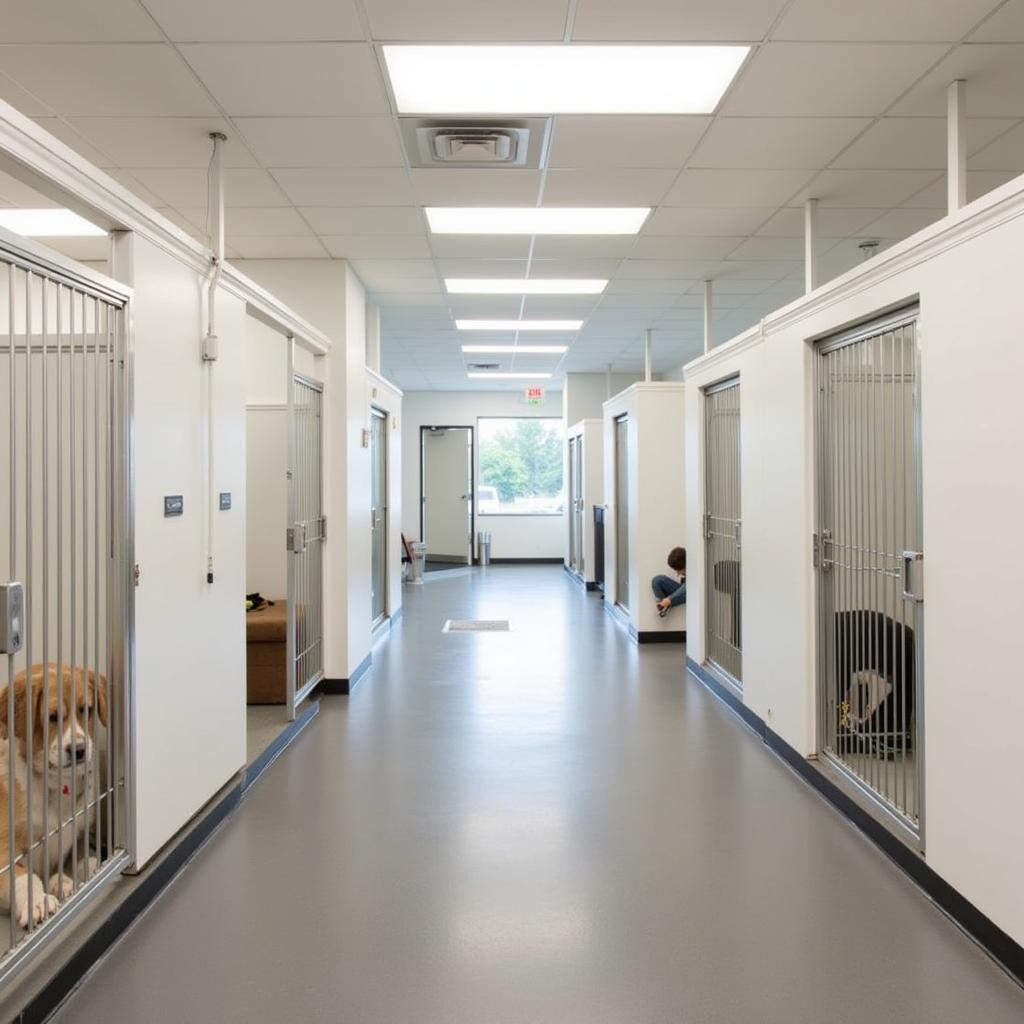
point(419, 560)
point(483, 547)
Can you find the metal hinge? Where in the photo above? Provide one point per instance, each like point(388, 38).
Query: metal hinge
point(323, 528)
point(821, 559)
point(707, 526)
point(295, 540)
point(136, 574)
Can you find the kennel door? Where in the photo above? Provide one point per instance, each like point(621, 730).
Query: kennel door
point(576, 511)
point(573, 502)
point(378, 515)
point(622, 596)
point(306, 536)
point(868, 550)
point(722, 526)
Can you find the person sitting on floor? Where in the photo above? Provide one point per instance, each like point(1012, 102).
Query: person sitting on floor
point(671, 592)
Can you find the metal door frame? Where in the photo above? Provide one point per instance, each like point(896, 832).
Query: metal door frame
point(382, 415)
point(577, 511)
point(574, 442)
point(424, 430)
point(618, 421)
point(295, 545)
point(718, 387)
point(824, 609)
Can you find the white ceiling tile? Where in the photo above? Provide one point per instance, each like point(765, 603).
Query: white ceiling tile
point(84, 21)
point(466, 187)
point(1005, 154)
point(641, 303)
point(978, 184)
point(582, 247)
point(881, 20)
point(83, 248)
point(399, 270)
point(638, 286)
point(483, 267)
point(865, 188)
point(137, 189)
point(827, 79)
point(481, 246)
point(60, 130)
point(663, 20)
point(257, 247)
point(255, 20)
point(17, 193)
point(573, 267)
point(624, 141)
point(736, 188)
point(776, 141)
point(462, 20)
point(1005, 26)
point(832, 223)
point(257, 220)
point(144, 79)
point(559, 306)
point(364, 220)
point(22, 101)
point(386, 298)
point(736, 286)
point(686, 247)
point(683, 270)
point(187, 187)
point(768, 248)
point(916, 142)
point(737, 221)
point(161, 141)
point(897, 224)
point(345, 186)
point(386, 247)
point(306, 78)
point(322, 141)
point(607, 187)
point(995, 83)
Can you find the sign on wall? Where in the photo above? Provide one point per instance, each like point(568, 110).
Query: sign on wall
point(533, 396)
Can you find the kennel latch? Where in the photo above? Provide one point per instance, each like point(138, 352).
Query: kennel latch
point(913, 576)
point(12, 617)
point(296, 538)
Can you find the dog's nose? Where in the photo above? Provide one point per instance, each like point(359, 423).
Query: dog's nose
point(79, 753)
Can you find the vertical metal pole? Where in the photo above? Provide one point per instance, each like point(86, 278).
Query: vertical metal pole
point(292, 556)
point(647, 355)
point(956, 142)
point(608, 381)
point(709, 313)
point(29, 596)
point(12, 491)
point(45, 522)
point(810, 245)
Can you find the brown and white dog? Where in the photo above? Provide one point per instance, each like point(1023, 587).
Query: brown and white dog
point(60, 770)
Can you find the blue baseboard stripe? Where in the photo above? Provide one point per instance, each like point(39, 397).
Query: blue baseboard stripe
point(1008, 953)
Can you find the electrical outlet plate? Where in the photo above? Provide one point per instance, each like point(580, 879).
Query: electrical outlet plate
point(225, 501)
point(174, 505)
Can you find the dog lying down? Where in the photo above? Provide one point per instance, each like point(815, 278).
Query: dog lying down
point(59, 774)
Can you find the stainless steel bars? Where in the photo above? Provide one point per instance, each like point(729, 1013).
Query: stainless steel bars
point(869, 511)
point(622, 477)
point(378, 515)
point(722, 530)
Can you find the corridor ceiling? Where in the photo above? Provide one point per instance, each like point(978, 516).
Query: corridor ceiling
point(840, 100)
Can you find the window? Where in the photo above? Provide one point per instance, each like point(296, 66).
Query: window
point(520, 467)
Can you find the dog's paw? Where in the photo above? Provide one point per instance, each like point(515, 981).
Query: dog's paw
point(42, 905)
point(90, 867)
point(61, 886)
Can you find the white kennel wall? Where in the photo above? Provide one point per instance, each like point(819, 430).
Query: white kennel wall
point(657, 508)
point(590, 432)
point(964, 272)
point(382, 394)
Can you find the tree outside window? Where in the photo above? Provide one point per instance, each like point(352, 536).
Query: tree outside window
point(520, 467)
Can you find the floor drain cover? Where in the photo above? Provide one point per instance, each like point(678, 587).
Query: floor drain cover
point(476, 626)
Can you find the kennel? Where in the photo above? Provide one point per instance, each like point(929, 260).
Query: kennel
point(66, 514)
point(868, 552)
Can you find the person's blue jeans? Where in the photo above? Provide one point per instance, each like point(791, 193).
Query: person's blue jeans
point(665, 586)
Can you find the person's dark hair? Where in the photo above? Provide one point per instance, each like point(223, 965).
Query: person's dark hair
point(677, 559)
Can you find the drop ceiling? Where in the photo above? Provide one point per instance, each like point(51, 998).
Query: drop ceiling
point(838, 100)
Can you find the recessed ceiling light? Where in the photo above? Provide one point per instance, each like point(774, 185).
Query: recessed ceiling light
point(520, 286)
point(529, 350)
point(561, 79)
point(508, 376)
point(518, 325)
point(50, 223)
point(536, 220)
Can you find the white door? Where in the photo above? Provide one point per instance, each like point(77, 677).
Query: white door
point(447, 494)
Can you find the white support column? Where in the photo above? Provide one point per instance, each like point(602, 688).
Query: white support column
point(709, 309)
point(216, 195)
point(810, 245)
point(608, 381)
point(373, 338)
point(956, 160)
point(647, 355)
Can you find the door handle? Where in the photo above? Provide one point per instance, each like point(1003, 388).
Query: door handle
point(913, 584)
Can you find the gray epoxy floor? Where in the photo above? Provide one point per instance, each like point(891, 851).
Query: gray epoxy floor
point(548, 826)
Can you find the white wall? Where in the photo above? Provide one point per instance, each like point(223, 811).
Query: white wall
point(190, 636)
point(584, 394)
point(965, 273)
point(657, 507)
point(512, 536)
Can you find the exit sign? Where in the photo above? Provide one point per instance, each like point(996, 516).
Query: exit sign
point(534, 396)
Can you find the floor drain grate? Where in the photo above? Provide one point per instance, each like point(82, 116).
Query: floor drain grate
point(476, 626)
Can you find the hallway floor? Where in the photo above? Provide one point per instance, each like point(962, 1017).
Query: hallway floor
point(546, 826)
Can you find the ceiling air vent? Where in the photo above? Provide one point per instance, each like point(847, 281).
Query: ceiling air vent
point(482, 366)
point(433, 143)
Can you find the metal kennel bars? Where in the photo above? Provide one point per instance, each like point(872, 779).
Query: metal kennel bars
point(576, 505)
point(869, 560)
point(379, 514)
point(65, 507)
point(722, 528)
point(622, 595)
point(307, 533)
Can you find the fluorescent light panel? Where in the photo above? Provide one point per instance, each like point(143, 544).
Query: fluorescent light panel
point(519, 286)
point(536, 220)
point(49, 223)
point(508, 376)
point(518, 325)
point(528, 350)
point(574, 79)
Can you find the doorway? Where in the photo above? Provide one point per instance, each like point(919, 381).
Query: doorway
point(446, 496)
point(378, 516)
point(576, 505)
point(622, 596)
